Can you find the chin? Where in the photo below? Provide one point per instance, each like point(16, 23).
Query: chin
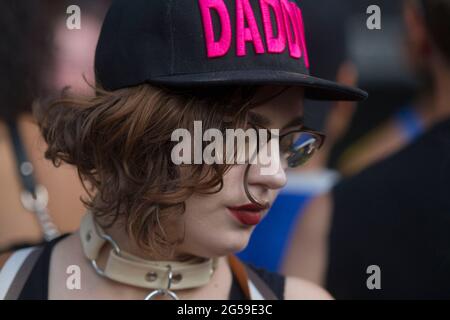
point(218, 242)
point(235, 241)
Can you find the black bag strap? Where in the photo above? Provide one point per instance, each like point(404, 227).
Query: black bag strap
point(34, 196)
point(26, 176)
point(16, 271)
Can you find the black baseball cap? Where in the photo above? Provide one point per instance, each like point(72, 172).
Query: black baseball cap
point(192, 43)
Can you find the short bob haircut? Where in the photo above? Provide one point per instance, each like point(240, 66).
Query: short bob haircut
point(120, 143)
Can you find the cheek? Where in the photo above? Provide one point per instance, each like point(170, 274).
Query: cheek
point(202, 207)
point(208, 226)
point(203, 212)
point(233, 180)
point(209, 230)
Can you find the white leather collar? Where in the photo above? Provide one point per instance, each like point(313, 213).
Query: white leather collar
point(129, 269)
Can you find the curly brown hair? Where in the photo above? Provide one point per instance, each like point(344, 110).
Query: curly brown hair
point(120, 142)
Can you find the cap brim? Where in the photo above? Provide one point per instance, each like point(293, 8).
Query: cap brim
point(315, 88)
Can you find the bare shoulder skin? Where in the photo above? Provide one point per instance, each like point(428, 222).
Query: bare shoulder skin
point(299, 289)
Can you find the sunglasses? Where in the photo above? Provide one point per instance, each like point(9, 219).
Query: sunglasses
point(297, 146)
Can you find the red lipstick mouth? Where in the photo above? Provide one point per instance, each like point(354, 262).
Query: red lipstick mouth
point(249, 214)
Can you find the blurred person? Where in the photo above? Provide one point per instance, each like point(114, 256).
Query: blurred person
point(401, 129)
point(395, 214)
point(73, 61)
point(379, 57)
point(406, 124)
point(155, 229)
point(38, 201)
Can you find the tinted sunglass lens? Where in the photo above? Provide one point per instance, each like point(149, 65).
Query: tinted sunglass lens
point(302, 150)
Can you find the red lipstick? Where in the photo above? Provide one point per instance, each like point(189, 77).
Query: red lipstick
point(249, 214)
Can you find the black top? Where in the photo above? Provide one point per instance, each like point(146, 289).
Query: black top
point(36, 287)
point(396, 215)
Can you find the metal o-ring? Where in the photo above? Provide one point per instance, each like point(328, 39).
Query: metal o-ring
point(115, 248)
point(97, 268)
point(161, 292)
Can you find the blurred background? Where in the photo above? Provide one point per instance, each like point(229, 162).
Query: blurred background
point(39, 57)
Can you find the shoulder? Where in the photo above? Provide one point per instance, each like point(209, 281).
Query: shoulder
point(428, 158)
point(299, 289)
point(428, 150)
point(291, 288)
point(25, 273)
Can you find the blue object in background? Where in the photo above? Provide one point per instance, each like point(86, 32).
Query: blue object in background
point(270, 238)
point(411, 123)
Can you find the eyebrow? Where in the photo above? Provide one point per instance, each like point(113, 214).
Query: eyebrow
point(298, 121)
point(266, 122)
point(259, 119)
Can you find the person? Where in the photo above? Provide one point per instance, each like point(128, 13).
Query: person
point(388, 125)
point(392, 217)
point(157, 225)
point(32, 67)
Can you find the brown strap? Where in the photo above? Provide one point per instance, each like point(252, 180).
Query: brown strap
point(239, 270)
point(243, 273)
point(22, 275)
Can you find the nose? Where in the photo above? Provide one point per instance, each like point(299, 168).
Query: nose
point(259, 175)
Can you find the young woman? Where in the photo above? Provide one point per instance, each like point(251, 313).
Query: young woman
point(156, 229)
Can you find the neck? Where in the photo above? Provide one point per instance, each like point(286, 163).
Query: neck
point(129, 245)
point(108, 289)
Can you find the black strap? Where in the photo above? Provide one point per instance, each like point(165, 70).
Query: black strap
point(32, 194)
point(261, 285)
point(26, 178)
point(23, 274)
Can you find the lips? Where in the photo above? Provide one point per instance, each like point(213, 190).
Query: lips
point(249, 214)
